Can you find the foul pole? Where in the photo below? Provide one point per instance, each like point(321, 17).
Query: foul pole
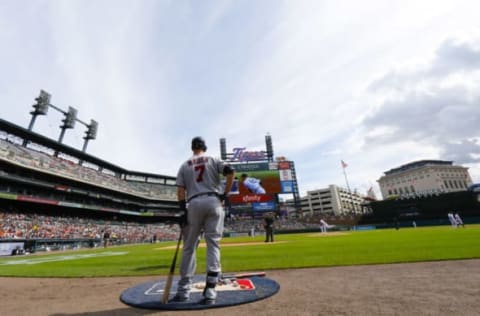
point(344, 166)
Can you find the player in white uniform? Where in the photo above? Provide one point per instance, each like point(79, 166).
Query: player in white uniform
point(323, 225)
point(198, 184)
point(458, 220)
point(254, 185)
point(452, 220)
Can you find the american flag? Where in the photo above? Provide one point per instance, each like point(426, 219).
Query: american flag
point(344, 165)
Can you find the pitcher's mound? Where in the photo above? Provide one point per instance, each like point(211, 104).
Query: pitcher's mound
point(230, 292)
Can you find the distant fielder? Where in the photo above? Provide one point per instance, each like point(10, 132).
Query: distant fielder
point(323, 226)
point(452, 220)
point(458, 220)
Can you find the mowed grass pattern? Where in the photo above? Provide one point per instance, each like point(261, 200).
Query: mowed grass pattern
point(289, 251)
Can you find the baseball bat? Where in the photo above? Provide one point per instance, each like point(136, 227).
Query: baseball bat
point(244, 275)
point(168, 284)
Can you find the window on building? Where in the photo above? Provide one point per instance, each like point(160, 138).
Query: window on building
point(389, 192)
point(406, 190)
point(412, 188)
point(446, 184)
point(395, 191)
point(450, 183)
point(455, 184)
point(400, 190)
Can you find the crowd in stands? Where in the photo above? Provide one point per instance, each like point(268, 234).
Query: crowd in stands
point(239, 223)
point(341, 220)
point(16, 225)
point(245, 223)
point(11, 149)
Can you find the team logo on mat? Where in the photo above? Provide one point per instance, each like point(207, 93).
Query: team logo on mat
point(222, 286)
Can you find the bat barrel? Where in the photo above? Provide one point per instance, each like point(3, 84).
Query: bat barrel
point(168, 284)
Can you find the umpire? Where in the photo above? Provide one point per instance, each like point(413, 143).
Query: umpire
point(268, 221)
point(199, 187)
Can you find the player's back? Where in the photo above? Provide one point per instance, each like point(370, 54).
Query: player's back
point(200, 174)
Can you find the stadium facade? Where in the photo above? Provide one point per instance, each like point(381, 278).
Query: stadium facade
point(424, 191)
point(424, 177)
point(333, 200)
point(42, 174)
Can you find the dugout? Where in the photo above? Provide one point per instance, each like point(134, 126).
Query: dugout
point(424, 210)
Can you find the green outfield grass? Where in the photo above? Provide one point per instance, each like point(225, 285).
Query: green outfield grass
point(288, 251)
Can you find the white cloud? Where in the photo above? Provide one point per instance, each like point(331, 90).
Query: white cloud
point(427, 112)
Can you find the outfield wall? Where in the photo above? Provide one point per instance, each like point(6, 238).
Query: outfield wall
point(7, 246)
point(432, 208)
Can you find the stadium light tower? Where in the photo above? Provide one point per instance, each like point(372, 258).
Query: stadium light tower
point(40, 108)
point(91, 133)
point(68, 121)
point(223, 148)
point(268, 142)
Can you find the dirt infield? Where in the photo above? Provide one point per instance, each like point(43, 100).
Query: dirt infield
point(427, 288)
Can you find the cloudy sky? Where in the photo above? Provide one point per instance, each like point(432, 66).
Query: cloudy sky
point(374, 83)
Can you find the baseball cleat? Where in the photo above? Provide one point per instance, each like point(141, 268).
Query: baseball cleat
point(180, 298)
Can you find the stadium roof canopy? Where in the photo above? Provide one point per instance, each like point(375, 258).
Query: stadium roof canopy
point(25, 134)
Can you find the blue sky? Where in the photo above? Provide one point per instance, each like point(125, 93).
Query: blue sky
point(374, 83)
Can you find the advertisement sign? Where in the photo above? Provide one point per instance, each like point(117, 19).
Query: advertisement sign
point(7, 248)
point(250, 198)
point(287, 186)
point(263, 206)
point(286, 175)
point(241, 154)
point(26, 198)
point(282, 165)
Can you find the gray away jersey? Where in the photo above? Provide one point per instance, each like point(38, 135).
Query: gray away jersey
point(200, 174)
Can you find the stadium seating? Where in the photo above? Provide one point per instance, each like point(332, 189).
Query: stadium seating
point(18, 225)
point(12, 151)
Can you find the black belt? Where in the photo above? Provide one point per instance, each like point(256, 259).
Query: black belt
point(203, 194)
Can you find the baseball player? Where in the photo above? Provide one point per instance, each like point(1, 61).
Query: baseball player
point(253, 185)
point(452, 220)
point(199, 187)
point(323, 225)
point(458, 220)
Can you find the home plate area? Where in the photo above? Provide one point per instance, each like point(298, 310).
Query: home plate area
point(231, 291)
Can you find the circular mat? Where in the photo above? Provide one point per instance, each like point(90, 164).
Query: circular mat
point(240, 291)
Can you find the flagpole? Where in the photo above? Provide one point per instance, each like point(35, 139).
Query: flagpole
point(344, 165)
point(346, 180)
